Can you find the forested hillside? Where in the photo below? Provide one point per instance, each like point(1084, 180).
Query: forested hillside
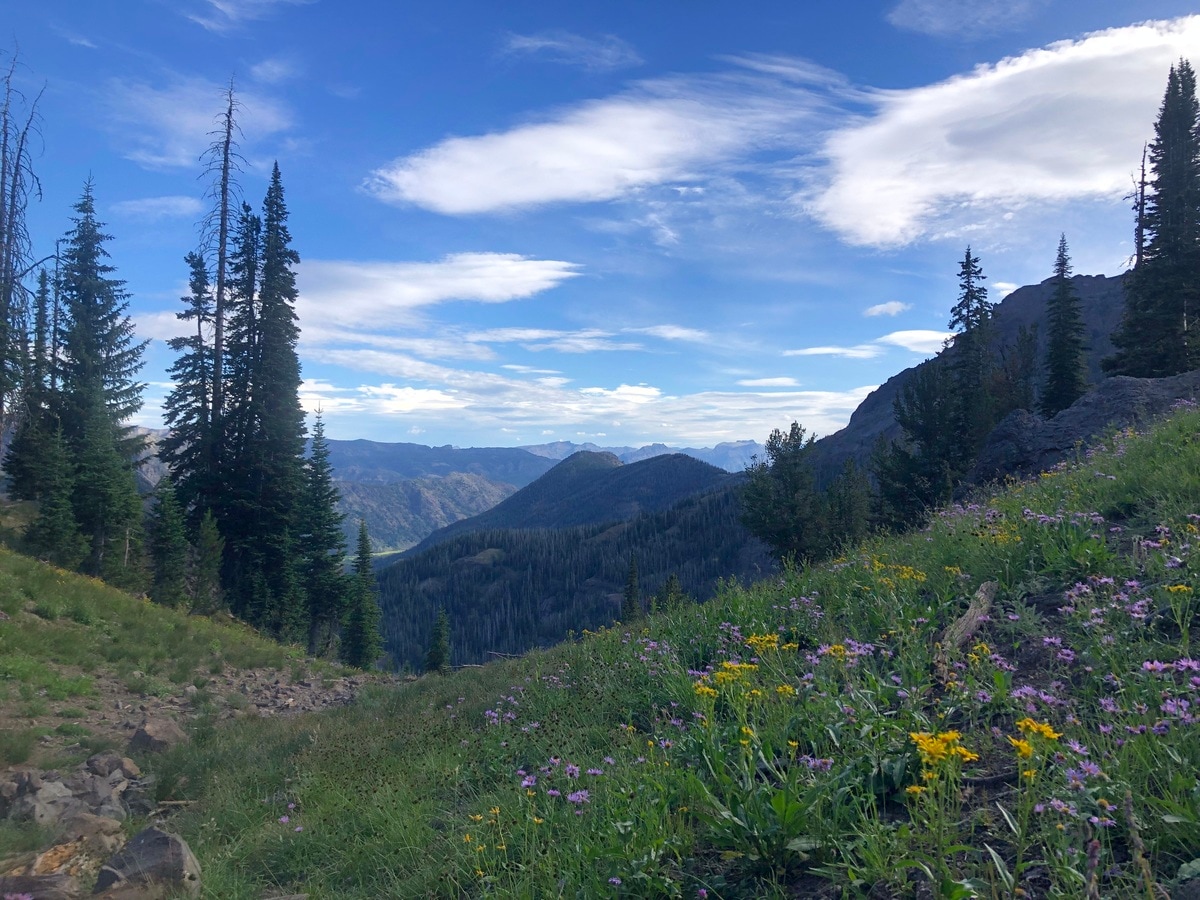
point(592, 488)
point(506, 591)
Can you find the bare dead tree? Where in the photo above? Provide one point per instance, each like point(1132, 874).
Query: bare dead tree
point(222, 162)
point(18, 184)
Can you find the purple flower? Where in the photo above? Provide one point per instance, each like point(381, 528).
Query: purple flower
point(283, 820)
point(528, 781)
point(553, 793)
point(595, 771)
point(614, 880)
point(572, 770)
point(578, 796)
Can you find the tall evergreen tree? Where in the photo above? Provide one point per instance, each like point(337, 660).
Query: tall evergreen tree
point(438, 658)
point(780, 503)
point(96, 395)
point(264, 468)
point(54, 535)
point(362, 643)
point(168, 548)
point(1066, 380)
point(631, 601)
point(207, 596)
point(1159, 333)
point(188, 448)
point(970, 359)
point(323, 548)
point(26, 460)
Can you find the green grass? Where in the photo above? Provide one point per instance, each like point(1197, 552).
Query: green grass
point(812, 732)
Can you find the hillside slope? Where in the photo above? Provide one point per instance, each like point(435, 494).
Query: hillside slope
point(590, 488)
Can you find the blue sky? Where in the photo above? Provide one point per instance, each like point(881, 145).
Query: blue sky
point(602, 220)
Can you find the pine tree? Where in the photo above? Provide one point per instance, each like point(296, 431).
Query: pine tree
point(847, 503)
point(438, 658)
point(670, 596)
point(323, 547)
point(1066, 381)
point(25, 462)
point(631, 600)
point(362, 643)
point(189, 448)
point(970, 359)
point(96, 395)
point(1159, 333)
point(264, 427)
point(207, 597)
point(168, 548)
point(54, 535)
point(780, 503)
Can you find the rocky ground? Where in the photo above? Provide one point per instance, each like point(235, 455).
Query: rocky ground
point(81, 788)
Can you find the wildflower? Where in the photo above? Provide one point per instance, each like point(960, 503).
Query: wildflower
point(529, 781)
point(578, 797)
point(572, 770)
point(614, 880)
point(1023, 747)
point(283, 820)
point(785, 690)
point(914, 789)
point(475, 818)
point(1029, 726)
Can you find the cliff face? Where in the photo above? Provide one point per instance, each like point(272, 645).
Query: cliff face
point(1102, 300)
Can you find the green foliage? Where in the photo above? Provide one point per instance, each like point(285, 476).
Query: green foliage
point(362, 643)
point(323, 549)
point(1158, 333)
point(631, 599)
point(207, 596)
point(1065, 362)
point(437, 659)
point(168, 548)
point(54, 535)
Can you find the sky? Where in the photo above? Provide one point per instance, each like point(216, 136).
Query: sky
point(614, 221)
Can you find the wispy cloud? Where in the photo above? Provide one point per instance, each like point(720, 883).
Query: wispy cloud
point(152, 209)
point(891, 308)
point(274, 70)
point(1062, 123)
point(963, 18)
point(676, 130)
point(673, 333)
point(599, 54)
point(917, 341)
point(224, 15)
point(858, 351)
point(769, 382)
point(169, 127)
point(379, 295)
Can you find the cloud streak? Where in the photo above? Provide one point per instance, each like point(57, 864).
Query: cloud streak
point(601, 54)
point(962, 18)
point(1064, 122)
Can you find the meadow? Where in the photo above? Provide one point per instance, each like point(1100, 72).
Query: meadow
point(857, 728)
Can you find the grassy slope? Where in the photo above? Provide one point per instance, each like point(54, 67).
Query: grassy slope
point(762, 744)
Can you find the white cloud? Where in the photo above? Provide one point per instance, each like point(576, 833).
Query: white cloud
point(673, 333)
point(962, 18)
point(152, 209)
point(858, 351)
point(1060, 123)
point(274, 70)
point(596, 54)
point(171, 127)
point(228, 14)
point(769, 382)
point(1004, 288)
point(344, 294)
point(891, 308)
point(670, 130)
point(918, 341)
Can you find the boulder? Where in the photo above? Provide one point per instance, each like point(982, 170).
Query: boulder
point(40, 887)
point(50, 803)
point(157, 736)
point(157, 863)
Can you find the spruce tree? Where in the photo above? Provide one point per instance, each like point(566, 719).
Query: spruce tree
point(438, 658)
point(264, 432)
point(970, 359)
point(168, 548)
point(207, 596)
point(1158, 335)
point(54, 535)
point(362, 643)
point(323, 548)
point(26, 459)
point(96, 395)
point(189, 448)
point(1066, 381)
point(631, 601)
point(780, 503)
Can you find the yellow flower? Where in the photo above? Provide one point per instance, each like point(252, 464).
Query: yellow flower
point(703, 690)
point(1179, 588)
point(538, 821)
point(475, 818)
point(501, 846)
point(1030, 773)
point(748, 731)
point(914, 789)
point(1023, 747)
point(466, 838)
point(1029, 726)
point(795, 745)
point(494, 811)
point(964, 754)
point(785, 690)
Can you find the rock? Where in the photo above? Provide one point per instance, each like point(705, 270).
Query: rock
point(48, 805)
point(157, 736)
point(41, 887)
point(102, 832)
point(153, 860)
